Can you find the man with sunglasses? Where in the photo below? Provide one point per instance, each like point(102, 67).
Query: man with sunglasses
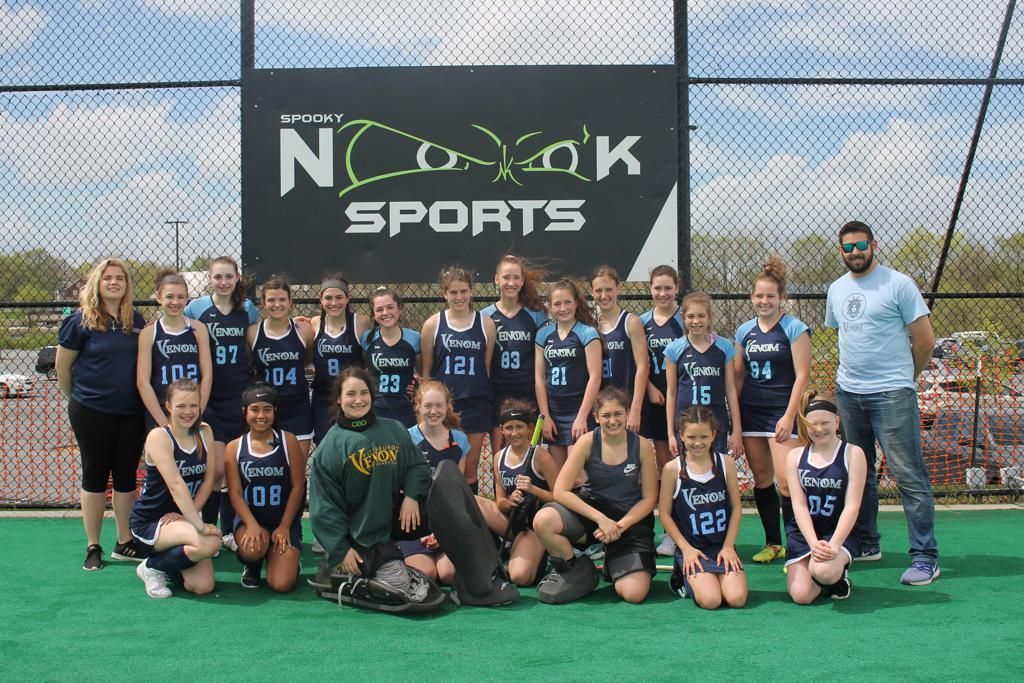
point(885, 340)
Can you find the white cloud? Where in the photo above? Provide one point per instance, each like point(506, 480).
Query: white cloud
point(20, 27)
point(129, 220)
point(883, 178)
point(14, 227)
point(84, 144)
point(473, 31)
point(214, 141)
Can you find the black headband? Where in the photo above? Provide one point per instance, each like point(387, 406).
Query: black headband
point(259, 394)
point(821, 404)
point(526, 416)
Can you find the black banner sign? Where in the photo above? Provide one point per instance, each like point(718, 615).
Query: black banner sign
point(389, 174)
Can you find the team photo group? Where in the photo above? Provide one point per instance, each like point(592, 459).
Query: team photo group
point(596, 418)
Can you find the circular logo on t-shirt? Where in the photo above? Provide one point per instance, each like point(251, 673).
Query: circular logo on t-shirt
point(854, 306)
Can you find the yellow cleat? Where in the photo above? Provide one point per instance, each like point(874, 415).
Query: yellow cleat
point(770, 553)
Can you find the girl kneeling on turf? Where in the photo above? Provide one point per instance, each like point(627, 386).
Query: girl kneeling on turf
point(826, 482)
point(521, 486)
point(266, 473)
point(700, 509)
point(165, 519)
point(614, 507)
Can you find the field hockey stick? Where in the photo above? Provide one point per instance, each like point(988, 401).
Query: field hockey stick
point(527, 463)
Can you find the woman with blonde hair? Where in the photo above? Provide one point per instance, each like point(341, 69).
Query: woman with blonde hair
point(97, 347)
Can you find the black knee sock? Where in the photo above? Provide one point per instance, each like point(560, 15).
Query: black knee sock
point(227, 513)
point(787, 510)
point(211, 508)
point(830, 588)
point(767, 501)
point(171, 561)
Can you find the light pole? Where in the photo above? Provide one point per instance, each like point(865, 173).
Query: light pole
point(177, 226)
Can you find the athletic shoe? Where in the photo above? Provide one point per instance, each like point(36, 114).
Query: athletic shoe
point(667, 547)
point(769, 553)
point(93, 558)
point(228, 541)
point(595, 552)
point(250, 576)
point(127, 551)
point(155, 581)
point(869, 555)
point(317, 548)
point(921, 573)
point(840, 590)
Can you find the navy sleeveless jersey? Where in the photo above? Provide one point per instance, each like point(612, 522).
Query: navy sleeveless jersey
point(825, 489)
point(702, 375)
point(394, 367)
point(155, 499)
point(508, 473)
point(175, 355)
point(768, 361)
point(702, 510)
point(659, 337)
point(266, 480)
point(231, 373)
point(512, 364)
point(616, 488)
point(566, 374)
point(458, 446)
point(280, 361)
point(460, 358)
point(331, 355)
point(618, 368)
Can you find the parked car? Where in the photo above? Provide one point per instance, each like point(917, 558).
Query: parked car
point(945, 348)
point(943, 387)
point(947, 445)
point(1017, 355)
point(15, 386)
point(46, 362)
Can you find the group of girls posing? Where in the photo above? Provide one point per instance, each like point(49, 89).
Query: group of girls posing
point(665, 360)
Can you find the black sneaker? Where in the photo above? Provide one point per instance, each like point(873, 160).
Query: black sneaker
point(250, 576)
point(93, 558)
point(840, 590)
point(127, 551)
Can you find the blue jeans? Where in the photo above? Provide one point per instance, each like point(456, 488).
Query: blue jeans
point(892, 417)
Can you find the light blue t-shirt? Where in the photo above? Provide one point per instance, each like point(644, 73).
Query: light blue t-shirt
point(872, 314)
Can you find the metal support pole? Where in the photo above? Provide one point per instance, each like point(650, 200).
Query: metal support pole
point(979, 123)
point(682, 63)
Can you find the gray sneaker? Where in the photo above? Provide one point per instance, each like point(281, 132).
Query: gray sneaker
point(667, 547)
point(921, 573)
point(869, 555)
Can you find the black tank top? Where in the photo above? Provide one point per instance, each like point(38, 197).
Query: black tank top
point(613, 487)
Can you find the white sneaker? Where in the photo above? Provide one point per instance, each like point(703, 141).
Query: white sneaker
point(228, 541)
point(317, 548)
point(155, 580)
point(667, 547)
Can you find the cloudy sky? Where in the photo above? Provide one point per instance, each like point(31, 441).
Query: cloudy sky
point(86, 173)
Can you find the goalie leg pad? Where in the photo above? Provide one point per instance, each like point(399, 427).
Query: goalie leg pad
point(568, 582)
point(464, 537)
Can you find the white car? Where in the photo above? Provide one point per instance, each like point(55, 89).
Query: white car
point(12, 385)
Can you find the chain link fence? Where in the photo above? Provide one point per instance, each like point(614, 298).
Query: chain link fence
point(119, 135)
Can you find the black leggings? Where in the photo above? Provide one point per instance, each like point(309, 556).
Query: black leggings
point(108, 444)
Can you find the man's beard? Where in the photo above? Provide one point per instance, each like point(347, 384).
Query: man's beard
point(868, 260)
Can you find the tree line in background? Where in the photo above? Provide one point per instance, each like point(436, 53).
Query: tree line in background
point(721, 264)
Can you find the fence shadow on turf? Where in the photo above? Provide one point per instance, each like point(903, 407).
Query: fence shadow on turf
point(868, 599)
point(974, 566)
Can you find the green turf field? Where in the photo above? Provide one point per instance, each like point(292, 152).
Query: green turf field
point(61, 623)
